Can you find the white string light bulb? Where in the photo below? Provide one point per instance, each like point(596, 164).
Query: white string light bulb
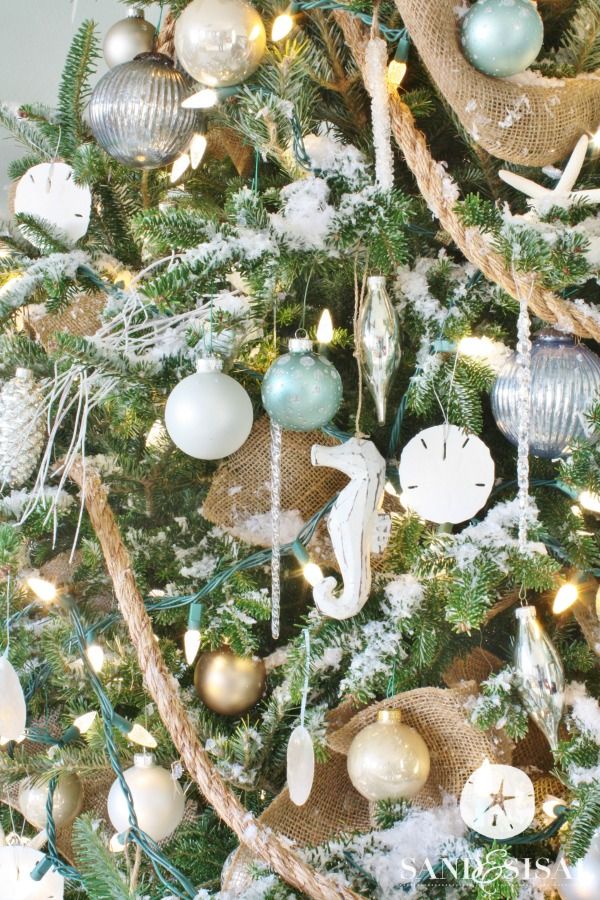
point(44, 590)
point(95, 656)
point(325, 328)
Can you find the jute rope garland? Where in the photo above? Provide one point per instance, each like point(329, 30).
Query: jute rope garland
point(428, 174)
point(163, 689)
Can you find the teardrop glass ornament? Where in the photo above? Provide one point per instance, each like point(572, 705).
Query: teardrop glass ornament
point(300, 765)
point(540, 674)
point(378, 340)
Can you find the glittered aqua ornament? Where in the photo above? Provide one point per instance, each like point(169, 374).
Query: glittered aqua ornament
point(502, 37)
point(302, 390)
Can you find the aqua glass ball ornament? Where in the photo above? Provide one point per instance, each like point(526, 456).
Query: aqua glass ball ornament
point(565, 377)
point(502, 37)
point(302, 390)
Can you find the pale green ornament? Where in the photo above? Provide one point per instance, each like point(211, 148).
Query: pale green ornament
point(502, 37)
point(302, 390)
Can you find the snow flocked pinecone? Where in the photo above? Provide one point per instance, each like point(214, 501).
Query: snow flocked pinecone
point(22, 428)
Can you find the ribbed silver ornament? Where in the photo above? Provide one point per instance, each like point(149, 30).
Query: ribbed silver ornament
point(565, 377)
point(540, 674)
point(379, 342)
point(135, 112)
point(22, 428)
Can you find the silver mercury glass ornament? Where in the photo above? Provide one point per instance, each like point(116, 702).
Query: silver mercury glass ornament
point(565, 377)
point(127, 38)
point(379, 342)
point(540, 674)
point(135, 112)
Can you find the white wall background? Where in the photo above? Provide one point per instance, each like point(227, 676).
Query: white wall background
point(35, 37)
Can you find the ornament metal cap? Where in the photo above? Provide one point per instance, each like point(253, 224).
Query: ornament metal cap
point(376, 280)
point(553, 336)
point(143, 760)
point(300, 345)
point(389, 716)
point(136, 12)
point(526, 612)
point(160, 58)
point(209, 364)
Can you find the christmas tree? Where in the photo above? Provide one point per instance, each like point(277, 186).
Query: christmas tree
point(298, 449)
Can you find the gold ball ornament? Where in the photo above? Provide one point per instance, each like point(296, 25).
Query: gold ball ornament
point(388, 760)
point(67, 801)
point(229, 684)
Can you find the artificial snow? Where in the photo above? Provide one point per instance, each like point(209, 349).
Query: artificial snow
point(306, 217)
point(403, 597)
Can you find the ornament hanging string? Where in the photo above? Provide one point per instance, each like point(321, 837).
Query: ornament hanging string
point(275, 528)
point(359, 296)
point(306, 634)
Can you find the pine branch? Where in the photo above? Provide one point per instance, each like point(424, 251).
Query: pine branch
point(101, 877)
point(27, 133)
point(75, 87)
point(580, 46)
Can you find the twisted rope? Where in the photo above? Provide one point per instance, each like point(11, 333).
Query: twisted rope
point(471, 242)
point(162, 687)
point(165, 42)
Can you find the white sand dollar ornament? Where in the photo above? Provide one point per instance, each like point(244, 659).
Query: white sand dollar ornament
point(48, 191)
point(446, 475)
point(498, 801)
point(16, 865)
point(13, 710)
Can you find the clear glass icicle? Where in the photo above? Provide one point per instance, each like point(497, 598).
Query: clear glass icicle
point(275, 527)
point(524, 390)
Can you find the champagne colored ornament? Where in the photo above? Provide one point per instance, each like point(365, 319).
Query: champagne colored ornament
point(379, 342)
point(220, 42)
point(352, 524)
point(302, 390)
point(581, 880)
point(16, 866)
point(127, 38)
point(540, 674)
point(502, 37)
point(388, 760)
point(498, 801)
point(446, 475)
point(158, 800)
point(22, 428)
point(67, 800)
point(13, 711)
point(208, 415)
point(136, 115)
point(48, 191)
point(565, 377)
point(229, 684)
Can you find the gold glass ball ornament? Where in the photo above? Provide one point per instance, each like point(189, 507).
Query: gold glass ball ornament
point(127, 38)
point(229, 684)
point(388, 760)
point(220, 42)
point(67, 801)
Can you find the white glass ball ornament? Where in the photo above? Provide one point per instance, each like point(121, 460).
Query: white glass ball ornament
point(300, 765)
point(16, 865)
point(220, 42)
point(158, 799)
point(498, 801)
point(127, 38)
point(67, 800)
point(13, 710)
point(48, 191)
point(446, 475)
point(583, 879)
point(208, 415)
point(388, 760)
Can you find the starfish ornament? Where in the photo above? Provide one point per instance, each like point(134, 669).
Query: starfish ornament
point(562, 194)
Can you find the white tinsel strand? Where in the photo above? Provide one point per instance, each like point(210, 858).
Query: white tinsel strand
point(22, 428)
point(275, 527)
point(376, 82)
point(524, 398)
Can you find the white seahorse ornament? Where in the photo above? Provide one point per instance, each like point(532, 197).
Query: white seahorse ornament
point(355, 525)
